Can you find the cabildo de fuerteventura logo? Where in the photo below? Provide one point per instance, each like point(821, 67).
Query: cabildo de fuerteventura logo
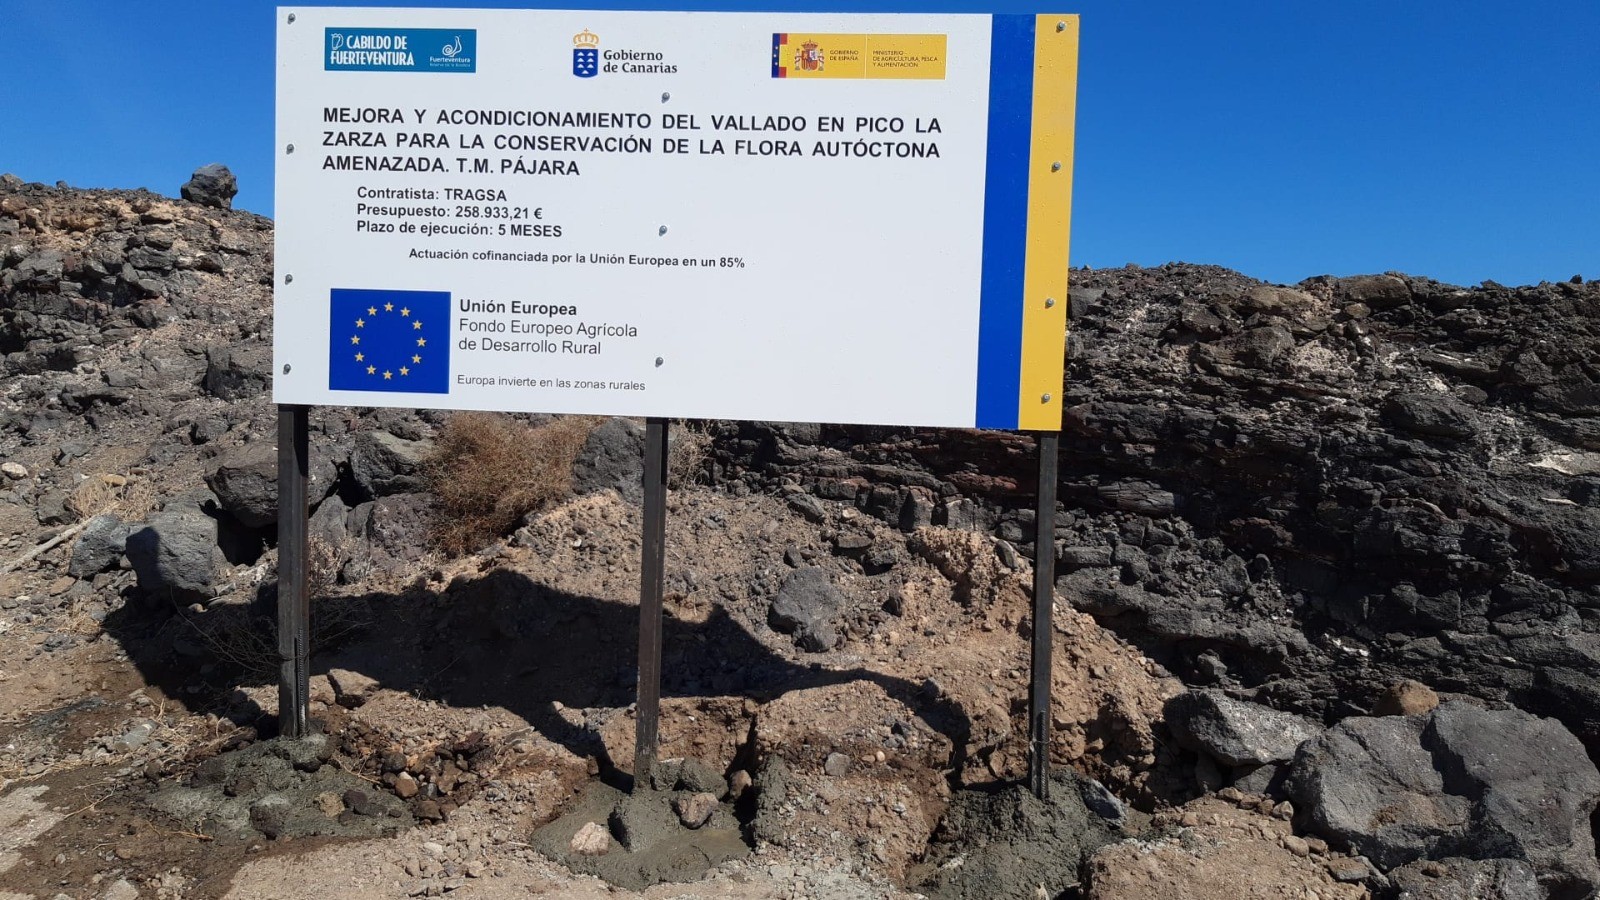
point(400, 50)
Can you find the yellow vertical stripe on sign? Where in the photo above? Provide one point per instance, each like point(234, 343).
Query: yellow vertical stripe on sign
point(1044, 316)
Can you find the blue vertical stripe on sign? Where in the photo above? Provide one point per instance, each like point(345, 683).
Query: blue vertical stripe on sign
point(1005, 221)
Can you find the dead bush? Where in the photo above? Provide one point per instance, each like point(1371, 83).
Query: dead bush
point(244, 635)
point(687, 452)
point(322, 567)
point(246, 638)
point(128, 497)
point(489, 470)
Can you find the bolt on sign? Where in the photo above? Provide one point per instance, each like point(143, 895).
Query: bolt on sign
point(801, 217)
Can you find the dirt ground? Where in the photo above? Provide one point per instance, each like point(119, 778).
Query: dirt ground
point(501, 685)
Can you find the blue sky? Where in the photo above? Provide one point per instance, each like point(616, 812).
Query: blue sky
point(1286, 139)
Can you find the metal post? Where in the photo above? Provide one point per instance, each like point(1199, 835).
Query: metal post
point(294, 605)
point(1044, 588)
point(650, 579)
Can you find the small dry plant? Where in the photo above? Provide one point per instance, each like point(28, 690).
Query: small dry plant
point(127, 497)
point(687, 452)
point(489, 470)
point(245, 636)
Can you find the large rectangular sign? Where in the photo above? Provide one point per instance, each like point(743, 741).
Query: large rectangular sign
point(855, 218)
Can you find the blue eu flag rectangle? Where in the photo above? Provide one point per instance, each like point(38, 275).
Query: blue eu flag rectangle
point(389, 341)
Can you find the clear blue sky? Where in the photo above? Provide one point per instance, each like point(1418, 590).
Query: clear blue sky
point(1285, 139)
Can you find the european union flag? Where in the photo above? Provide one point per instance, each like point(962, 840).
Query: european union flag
point(389, 341)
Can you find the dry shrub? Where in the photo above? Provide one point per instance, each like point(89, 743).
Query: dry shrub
point(322, 567)
point(245, 635)
point(687, 451)
point(127, 497)
point(489, 470)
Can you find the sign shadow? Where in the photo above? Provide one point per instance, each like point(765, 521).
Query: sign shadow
point(501, 639)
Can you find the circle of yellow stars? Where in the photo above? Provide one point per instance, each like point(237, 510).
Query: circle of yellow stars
point(416, 358)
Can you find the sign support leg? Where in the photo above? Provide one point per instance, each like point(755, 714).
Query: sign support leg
point(1044, 585)
point(294, 604)
point(650, 580)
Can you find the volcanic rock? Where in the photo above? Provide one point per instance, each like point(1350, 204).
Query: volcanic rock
point(1468, 879)
point(1435, 415)
point(806, 606)
point(211, 185)
point(1236, 732)
point(1460, 781)
point(238, 372)
point(612, 459)
point(175, 556)
point(246, 484)
point(383, 464)
point(101, 543)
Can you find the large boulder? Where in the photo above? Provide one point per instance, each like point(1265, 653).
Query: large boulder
point(1375, 291)
point(212, 185)
point(1370, 785)
point(1435, 415)
point(612, 459)
point(389, 534)
point(102, 543)
point(1534, 786)
point(383, 464)
point(1461, 781)
point(246, 484)
point(806, 607)
point(1236, 732)
point(175, 555)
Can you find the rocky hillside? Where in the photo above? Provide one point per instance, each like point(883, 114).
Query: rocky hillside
point(1329, 580)
point(1306, 492)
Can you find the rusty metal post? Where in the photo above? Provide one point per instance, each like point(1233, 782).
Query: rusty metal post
point(294, 604)
point(651, 576)
point(1044, 588)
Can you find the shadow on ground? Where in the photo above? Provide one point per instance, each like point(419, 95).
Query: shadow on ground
point(499, 639)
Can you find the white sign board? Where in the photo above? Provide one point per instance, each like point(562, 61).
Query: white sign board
point(797, 217)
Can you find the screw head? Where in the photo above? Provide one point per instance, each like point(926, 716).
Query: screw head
point(1045, 399)
point(291, 18)
point(1055, 167)
point(660, 362)
point(285, 368)
point(1049, 302)
point(288, 279)
point(665, 96)
point(289, 149)
point(662, 231)
point(1061, 26)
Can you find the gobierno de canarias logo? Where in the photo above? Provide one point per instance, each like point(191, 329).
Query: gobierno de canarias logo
point(588, 60)
point(586, 54)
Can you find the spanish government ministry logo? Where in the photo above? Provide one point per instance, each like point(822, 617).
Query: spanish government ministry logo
point(396, 341)
point(585, 54)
